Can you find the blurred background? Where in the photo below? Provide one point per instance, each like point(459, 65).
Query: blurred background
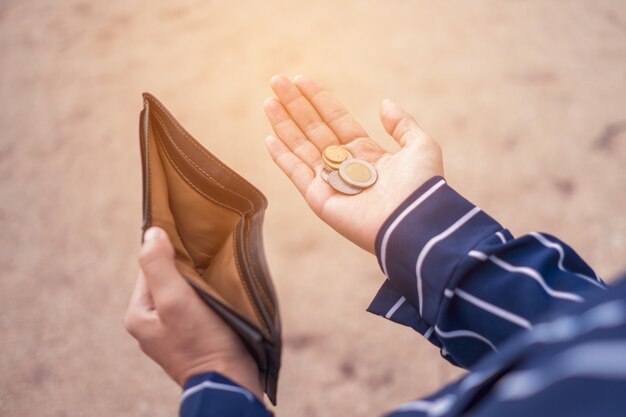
point(528, 100)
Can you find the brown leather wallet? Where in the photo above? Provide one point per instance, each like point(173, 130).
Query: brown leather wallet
point(214, 219)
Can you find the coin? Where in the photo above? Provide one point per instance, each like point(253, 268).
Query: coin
point(338, 184)
point(336, 154)
point(324, 173)
point(358, 173)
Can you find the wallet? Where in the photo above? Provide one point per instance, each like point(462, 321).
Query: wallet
point(214, 218)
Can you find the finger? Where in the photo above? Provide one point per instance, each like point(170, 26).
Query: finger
point(331, 110)
point(141, 300)
point(167, 286)
point(291, 135)
point(297, 171)
point(303, 113)
point(140, 313)
point(400, 124)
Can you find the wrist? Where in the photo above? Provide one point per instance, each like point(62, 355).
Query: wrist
point(429, 234)
point(240, 368)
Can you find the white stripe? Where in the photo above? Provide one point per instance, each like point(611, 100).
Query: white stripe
point(435, 408)
point(418, 405)
point(432, 242)
point(529, 272)
point(506, 315)
point(394, 224)
point(214, 385)
point(478, 255)
point(597, 360)
point(603, 316)
point(448, 292)
point(442, 405)
point(553, 245)
point(428, 332)
point(501, 236)
point(476, 378)
point(464, 333)
point(395, 307)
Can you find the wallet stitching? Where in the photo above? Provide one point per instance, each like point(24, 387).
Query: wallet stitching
point(199, 168)
point(264, 296)
point(246, 289)
point(189, 182)
point(256, 280)
point(205, 152)
point(258, 314)
point(206, 174)
point(148, 180)
point(189, 160)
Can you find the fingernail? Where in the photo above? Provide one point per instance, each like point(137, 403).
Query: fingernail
point(152, 233)
point(387, 102)
point(276, 79)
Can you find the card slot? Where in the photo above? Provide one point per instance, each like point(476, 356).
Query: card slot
point(212, 220)
point(204, 223)
point(202, 167)
point(223, 274)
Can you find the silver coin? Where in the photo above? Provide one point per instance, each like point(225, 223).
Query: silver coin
point(358, 173)
point(324, 173)
point(338, 184)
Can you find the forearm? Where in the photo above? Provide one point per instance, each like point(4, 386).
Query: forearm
point(459, 278)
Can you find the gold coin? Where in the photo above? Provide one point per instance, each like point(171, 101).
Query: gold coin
point(333, 166)
point(358, 173)
point(336, 154)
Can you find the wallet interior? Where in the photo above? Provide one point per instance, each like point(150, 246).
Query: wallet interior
point(213, 218)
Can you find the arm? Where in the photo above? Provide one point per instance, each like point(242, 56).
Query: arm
point(443, 257)
point(572, 363)
point(192, 344)
point(459, 278)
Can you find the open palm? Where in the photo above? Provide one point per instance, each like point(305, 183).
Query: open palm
point(306, 119)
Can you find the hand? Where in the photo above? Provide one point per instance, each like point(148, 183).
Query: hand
point(307, 118)
point(176, 329)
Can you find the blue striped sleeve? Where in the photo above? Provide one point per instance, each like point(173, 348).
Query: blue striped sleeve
point(212, 394)
point(571, 364)
point(458, 277)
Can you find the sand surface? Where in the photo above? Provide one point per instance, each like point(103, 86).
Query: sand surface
point(528, 100)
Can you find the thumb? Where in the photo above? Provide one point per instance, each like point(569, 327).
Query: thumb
point(400, 124)
point(156, 260)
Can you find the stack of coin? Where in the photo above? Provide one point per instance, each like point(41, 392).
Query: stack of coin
point(345, 173)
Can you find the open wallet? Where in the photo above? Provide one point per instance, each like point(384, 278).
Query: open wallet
point(214, 218)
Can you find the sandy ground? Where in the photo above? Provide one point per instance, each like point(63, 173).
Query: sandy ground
point(528, 100)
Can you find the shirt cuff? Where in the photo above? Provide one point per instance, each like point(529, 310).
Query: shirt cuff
point(418, 249)
point(212, 394)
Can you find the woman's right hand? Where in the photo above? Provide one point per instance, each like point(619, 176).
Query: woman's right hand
point(306, 119)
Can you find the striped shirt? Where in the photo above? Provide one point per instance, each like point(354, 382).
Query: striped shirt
point(536, 328)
